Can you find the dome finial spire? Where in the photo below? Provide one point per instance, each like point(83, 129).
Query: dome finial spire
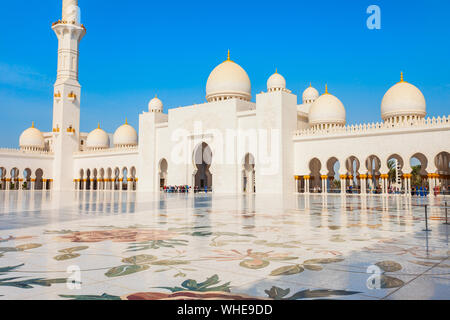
point(310, 84)
point(276, 70)
point(229, 58)
point(326, 88)
point(401, 77)
point(32, 124)
point(98, 126)
point(126, 120)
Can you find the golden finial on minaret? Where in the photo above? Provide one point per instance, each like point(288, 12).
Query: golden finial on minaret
point(229, 58)
point(401, 77)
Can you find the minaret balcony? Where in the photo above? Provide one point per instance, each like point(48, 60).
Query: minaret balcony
point(72, 96)
point(57, 96)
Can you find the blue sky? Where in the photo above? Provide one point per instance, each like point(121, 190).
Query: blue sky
point(136, 49)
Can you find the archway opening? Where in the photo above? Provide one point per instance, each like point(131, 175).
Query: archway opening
point(27, 179)
point(163, 167)
point(133, 182)
point(352, 165)
point(101, 182)
point(39, 185)
point(15, 179)
point(334, 181)
point(315, 180)
point(88, 179)
point(81, 183)
point(116, 179)
point(442, 162)
point(125, 184)
point(2, 178)
point(373, 165)
point(395, 166)
point(248, 174)
point(202, 162)
point(419, 178)
point(95, 180)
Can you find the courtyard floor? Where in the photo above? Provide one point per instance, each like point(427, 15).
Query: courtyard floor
point(119, 245)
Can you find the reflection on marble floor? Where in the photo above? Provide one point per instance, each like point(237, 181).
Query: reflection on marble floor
point(119, 245)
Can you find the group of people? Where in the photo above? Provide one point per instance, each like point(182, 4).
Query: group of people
point(184, 189)
point(424, 191)
point(420, 191)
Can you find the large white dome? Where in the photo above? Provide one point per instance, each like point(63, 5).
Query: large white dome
point(403, 99)
point(97, 139)
point(228, 80)
point(276, 82)
point(125, 136)
point(310, 95)
point(32, 139)
point(327, 109)
point(155, 105)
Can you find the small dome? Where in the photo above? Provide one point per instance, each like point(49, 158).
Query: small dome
point(327, 109)
point(155, 105)
point(310, 95)
point(403, 99)
point(32, 139)
point(276, 82)
point(97, 139)
point(228, 80)
point(125, 136)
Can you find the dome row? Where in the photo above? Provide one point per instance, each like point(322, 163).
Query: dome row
point(229, 80)
point(125, 136)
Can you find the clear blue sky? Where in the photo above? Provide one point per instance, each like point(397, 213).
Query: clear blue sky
point(134, 49)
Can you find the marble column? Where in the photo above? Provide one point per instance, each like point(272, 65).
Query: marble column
point(324, 184)
point(431, 184)
point(384, 186)
point(129, 185)
point(363, 183)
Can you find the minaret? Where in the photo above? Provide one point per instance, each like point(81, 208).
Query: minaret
point(67, 92)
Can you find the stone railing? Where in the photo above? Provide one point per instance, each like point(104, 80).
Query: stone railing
point(376, 127)
point(24, 152)
point(130, 149)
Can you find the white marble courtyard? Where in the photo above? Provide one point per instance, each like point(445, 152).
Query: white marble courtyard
point(121, 245)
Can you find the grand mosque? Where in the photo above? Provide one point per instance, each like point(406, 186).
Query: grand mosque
point(233, 143)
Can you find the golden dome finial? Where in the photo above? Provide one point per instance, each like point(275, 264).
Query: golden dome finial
point(401, 77)
point(229, 58)
point(276, 70)
point(32, 124)
point(98, 126)
point(126, 120)
point(326, 88)
point(310, 84)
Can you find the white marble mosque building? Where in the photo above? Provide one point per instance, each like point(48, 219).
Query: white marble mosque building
point(231, 143)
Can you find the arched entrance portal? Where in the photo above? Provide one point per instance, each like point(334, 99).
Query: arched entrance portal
point(202, 163)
